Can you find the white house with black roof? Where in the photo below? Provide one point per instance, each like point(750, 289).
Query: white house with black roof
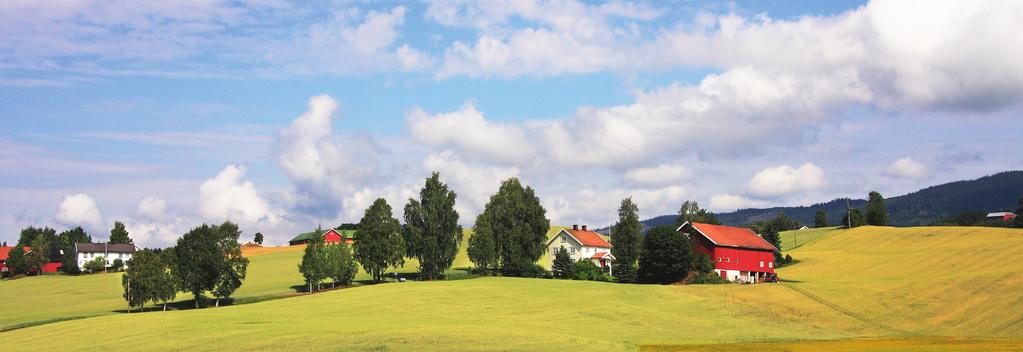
point(86, 252)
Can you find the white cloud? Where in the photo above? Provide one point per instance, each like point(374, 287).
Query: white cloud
point(659, 175)
point(474, 184)
point(80, 210)
point(152, 207)
point(784, 180)
point(730, 202)
point(228, 197)
point(593, 206)
point(907, 168)
point(468, 130)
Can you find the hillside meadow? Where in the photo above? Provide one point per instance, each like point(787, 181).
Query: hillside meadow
point(870, 288)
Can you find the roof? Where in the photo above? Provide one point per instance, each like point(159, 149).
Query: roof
point(731, 236)
point(588, 238)
point(105, 247)
point(602, 255)
point(5, 251)
point(309, 235)
point(1000, 214)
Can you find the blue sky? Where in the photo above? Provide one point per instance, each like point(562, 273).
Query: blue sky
point(282, 116)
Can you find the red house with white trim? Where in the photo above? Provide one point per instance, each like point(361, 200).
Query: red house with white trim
point(738, 253)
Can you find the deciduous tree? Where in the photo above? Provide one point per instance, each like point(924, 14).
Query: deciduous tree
point(518, 224)
point(690, 211)
point(67, 240)
point(877, 214)
point(482, 249)
point(208, 258)
point(667, 256)
point(380, 245)
point(258, 239)
point(626, 241)
point(431, 230)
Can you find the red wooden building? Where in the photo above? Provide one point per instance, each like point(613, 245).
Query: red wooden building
point(52, 265)
point(738, 253)
point(329, 237)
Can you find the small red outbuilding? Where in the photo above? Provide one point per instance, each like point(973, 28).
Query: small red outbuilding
point(738, 253)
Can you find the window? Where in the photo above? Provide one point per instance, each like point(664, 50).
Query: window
point(564, 239)
point(761, 263)
point(573, 250)
point(728, 260)
point(770, 264)
point(720, 259)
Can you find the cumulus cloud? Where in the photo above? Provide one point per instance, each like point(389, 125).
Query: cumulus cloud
point(473, 183)
point(322, 166)
point(907, 168)
point(152, 207)
point(784, 180)
point(593, 205)
point(80, 209)
point(468, 130)
point(658, 175)
point(228, 197)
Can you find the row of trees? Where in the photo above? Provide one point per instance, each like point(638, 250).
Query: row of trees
point(206, 259)
point(44, 241)
point(323, 261)
point(876, 214)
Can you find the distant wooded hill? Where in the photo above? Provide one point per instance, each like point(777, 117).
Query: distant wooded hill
point(998, 192)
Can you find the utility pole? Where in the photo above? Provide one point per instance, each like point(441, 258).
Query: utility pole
point(848, 214)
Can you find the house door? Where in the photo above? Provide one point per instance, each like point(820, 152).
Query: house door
point(724, 274)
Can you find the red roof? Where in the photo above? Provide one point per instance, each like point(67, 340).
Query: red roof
point(589, 238)
point(599, 255)
point(6, 251)
point(731, 236)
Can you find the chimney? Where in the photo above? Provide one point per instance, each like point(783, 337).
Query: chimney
point(584, 228)
point(575, 227)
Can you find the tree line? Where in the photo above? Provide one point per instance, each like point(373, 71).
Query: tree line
point(44, 241)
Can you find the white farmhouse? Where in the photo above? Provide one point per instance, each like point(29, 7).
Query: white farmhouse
point(582, 244)
point(85, 252)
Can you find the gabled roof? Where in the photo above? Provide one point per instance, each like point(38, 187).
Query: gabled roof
point(105, 247)
point(602, 255)
point(731, 236)
point(586, 238)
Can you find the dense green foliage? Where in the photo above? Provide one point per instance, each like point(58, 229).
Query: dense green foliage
point(67, 240)
point(877, 214)
point(667, 256)
point(380, 245)
point(820, 218)
point(16, 261)
point(562, 265)
point(148, 279)
point(95, 265)
point(482, 249)
point(258, 238)
point(690, 211)
point(1018, 221)
point(117, 265)
point(341, 264)
point(853, 218)
point(584, 269)
point(42, 245)
point(517, 225)
point(314, 263)
point(431, 230)
point(626, 240)
point(118, 234)
point(208, 258)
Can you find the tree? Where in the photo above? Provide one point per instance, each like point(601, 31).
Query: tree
point(41, 246)
point(690, 211)
point(857, 219)
point(518, 225)
point(584, 269)
point(208, 258)
point(67, 240)
point(626, 241)
point(482, 249)
point(341, 265)
point(312, 265)
point(147, 279)
point(30, 233)
point(118, 234)
point(233, 265)
point(1018, 221)
point(117, 264)
point(380, 244)
point(667, 256)
point(258, 239)
point(16, 261)
point(877, 215)
point(431, 230)
point(820, 218)
point(562, 265)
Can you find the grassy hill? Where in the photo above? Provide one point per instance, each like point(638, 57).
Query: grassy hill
point(879, 288)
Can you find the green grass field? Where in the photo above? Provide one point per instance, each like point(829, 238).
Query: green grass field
point(870, 288)
point(794, 239)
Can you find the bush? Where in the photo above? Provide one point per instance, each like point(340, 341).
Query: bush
point(117, 265)
point(96, 265)
point(584, 269)
point(562, 265)
point(710, 278)
point(788, 259)
point(524, 268)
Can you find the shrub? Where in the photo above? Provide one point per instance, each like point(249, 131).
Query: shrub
point(584, 269)
point(117, 265)
point(96, 265)
point(710, 278)
point(788, 259)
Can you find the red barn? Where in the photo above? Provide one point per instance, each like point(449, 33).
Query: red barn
point(53, 264)
point(329, 236)
point(738, 253)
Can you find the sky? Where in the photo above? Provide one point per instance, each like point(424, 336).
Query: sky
point(282, 116)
